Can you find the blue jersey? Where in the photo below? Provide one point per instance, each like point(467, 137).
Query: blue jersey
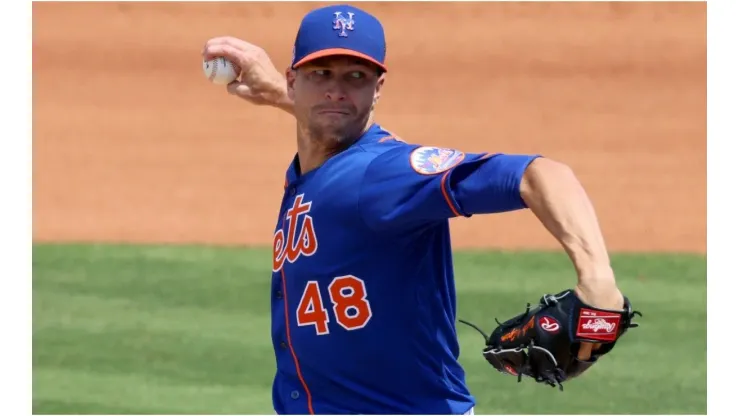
point(363, 294)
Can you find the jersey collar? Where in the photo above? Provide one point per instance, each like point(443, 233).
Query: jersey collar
point(374, 133)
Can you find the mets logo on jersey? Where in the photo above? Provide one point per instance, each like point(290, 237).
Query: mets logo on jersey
point(343, 23)
point(429, 160)
point(301, 235)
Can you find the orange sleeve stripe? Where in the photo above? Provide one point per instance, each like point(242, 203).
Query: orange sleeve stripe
point(290, 345)
point(391, 137)
point(443, 184)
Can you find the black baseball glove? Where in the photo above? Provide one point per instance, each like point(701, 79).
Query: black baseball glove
point(543, 342)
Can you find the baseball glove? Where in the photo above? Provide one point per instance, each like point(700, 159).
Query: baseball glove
point(543, 343)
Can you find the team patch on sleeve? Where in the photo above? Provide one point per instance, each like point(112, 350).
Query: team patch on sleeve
point(429, 160)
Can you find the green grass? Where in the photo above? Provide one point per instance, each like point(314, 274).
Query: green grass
point(184, 330)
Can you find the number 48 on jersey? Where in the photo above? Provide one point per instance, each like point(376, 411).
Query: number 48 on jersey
point(349, 305)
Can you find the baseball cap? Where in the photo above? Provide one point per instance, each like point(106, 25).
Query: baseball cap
point(339, 30)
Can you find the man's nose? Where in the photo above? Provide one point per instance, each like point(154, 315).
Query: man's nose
point(335, 92)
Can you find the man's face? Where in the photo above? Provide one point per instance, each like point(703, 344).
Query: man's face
point(334, 96)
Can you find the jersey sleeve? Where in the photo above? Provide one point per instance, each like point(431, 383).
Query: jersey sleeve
point(409, 186)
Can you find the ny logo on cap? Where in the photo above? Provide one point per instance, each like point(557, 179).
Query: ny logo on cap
point(343, 23)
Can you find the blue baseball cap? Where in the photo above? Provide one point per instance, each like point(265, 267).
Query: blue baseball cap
point(339, 30)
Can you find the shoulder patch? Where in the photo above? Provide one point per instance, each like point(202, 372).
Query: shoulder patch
point(428, 160)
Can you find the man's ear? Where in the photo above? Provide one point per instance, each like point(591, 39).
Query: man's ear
point(378, 88)
point(290, 77)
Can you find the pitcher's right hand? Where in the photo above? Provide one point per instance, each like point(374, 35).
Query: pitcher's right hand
point(259, 82)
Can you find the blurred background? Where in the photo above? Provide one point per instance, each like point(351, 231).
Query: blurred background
point(132, 145)
point(131, 142)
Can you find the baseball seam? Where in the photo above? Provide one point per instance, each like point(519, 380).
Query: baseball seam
point(214, 61)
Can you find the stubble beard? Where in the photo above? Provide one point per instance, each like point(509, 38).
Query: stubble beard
point(335, 135)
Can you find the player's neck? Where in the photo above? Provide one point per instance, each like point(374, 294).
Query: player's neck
point(314, 151)
point(311, 154)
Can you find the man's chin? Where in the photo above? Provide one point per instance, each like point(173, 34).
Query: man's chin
point(333, 127)
point(334, 120)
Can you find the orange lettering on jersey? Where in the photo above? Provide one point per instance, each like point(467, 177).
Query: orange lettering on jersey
point(278, 250)
point(350, 307)
point(348, 295)
point(307, 239)
point(311, 310)
point(290, 248)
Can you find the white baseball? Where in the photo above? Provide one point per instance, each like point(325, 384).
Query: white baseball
point(220, 70)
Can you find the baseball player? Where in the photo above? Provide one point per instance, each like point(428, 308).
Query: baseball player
point(363, 289)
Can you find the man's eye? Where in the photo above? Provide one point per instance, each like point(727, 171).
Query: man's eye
point(357, 75)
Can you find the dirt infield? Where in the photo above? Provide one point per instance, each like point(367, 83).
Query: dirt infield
point(131, 143)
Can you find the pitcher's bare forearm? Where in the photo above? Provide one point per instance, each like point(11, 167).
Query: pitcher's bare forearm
point(553, 193)
point(284, 103)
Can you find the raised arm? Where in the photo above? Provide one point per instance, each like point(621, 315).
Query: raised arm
point(259, 82)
